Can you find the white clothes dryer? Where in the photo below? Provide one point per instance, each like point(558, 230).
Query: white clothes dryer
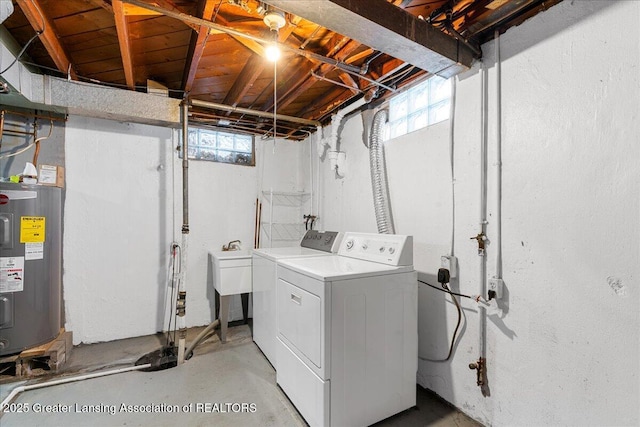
point(313, 244)
point(347, 350)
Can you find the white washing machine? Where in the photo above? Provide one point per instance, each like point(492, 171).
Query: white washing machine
point(347, 349)
point(314, 243)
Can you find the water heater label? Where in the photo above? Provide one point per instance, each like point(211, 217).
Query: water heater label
point(32, 229)
point(33, 251)
point(11, 274)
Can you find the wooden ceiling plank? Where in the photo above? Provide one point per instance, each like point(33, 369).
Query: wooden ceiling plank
point(38, 17)
point(197, 44)
point(254, 67)
point(103, 4)
point(124, 41)
point(130, 9)
point(347, 47)
point(349, 81)
point(251, 71)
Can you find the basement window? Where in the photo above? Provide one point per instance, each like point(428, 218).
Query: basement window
point(219, 146)
point(420, 106)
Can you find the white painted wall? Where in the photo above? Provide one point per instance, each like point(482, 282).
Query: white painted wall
point(117, 228)
point(124, 208)
point(565, 349)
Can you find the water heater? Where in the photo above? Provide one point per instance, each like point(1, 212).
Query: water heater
point(30, 265)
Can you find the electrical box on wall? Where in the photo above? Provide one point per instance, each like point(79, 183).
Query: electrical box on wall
point(450, 263)
point(495, 288)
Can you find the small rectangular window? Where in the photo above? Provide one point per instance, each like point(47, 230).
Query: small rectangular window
point(220, 146)
point(420, 106)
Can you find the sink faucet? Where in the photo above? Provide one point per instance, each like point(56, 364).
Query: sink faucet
point(233, 245)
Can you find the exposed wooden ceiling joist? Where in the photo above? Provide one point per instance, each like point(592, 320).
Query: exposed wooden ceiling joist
point(253, 68)
point(205, 10)
point(40, 22)
point(339, 50)
point(124, 41)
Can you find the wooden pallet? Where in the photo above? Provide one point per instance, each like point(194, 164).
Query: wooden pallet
point(39, 360)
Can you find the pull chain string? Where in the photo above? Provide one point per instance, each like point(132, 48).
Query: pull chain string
point(275, 92)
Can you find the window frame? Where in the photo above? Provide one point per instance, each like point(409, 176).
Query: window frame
point(402, 121)
point(197, 148)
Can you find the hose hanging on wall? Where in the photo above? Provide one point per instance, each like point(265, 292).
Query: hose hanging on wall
point(379, 174)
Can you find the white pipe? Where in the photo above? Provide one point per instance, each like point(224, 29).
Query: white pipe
point(482, 321)
point(452, 114)
point(332, 142)
point(498, 213)
point(311, 169)
point(21, 389)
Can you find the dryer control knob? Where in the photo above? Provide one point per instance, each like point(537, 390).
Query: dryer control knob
point(391, 250)
point(349, 244)
point(364, 246)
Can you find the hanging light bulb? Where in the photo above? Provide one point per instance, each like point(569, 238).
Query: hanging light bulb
point(272, 51)
point(274, 20)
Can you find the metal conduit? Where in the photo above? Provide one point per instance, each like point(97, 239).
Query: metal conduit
point(265, 114)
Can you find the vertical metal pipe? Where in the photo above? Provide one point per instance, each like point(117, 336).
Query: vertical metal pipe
point(185, 168)
point(1, 126)
point(483, 211)
point(182, 293)
point(498, 216)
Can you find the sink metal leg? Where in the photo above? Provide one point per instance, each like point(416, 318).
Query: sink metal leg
point(245, 307)
point(224, 316)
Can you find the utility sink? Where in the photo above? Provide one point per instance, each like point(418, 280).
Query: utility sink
point(232, 275)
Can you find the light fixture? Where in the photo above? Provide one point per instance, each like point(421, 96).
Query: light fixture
point(274, 20)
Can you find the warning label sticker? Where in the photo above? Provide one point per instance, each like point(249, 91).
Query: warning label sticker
point(11, 274)
point(32, 229)
point(33, 251)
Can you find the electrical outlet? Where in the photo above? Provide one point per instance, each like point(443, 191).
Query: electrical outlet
point(496, 286)
point(450, 263)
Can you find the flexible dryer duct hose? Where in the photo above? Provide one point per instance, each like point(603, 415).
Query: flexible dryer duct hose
point(379, 174)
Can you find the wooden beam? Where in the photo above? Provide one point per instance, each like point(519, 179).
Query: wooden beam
point(197, 44)
point(254, 67)
point(125, 42)
point(349, 81)
point(106, 5)
point(249, 74)
point(299, 87)
point(252, 45)
point(135, 10)
point(39, 20)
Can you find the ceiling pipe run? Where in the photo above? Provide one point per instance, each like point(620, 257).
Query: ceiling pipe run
point(265, 114)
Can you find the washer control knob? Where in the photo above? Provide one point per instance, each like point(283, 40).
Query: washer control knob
point(349, 244)
point(391, 250)
point(381, 249)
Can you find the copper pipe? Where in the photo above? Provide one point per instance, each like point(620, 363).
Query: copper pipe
point(1, 126)
point(36, 141)
point(36, 116)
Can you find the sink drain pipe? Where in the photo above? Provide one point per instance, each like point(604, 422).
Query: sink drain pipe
point(16, 391)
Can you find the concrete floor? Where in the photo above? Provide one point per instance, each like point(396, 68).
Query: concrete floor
point(229, 384)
